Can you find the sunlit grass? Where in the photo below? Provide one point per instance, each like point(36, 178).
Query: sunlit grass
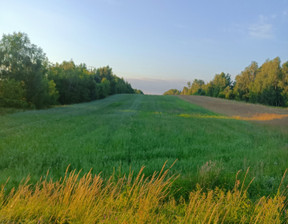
point(201, 116)
point(133, 199)
point(262, 117)
point(256, 117)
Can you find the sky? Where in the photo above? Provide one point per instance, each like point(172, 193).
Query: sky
point(155, 45)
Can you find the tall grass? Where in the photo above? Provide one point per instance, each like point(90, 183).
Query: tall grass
point(132, 199)
point(135, 130)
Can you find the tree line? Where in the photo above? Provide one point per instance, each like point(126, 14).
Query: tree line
point(29, 80)
point(267, 84)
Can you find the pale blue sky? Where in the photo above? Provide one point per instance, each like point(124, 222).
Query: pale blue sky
point(154, 40)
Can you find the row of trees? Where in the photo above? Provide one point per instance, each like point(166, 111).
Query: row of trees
point(27, 79)
point(75, 83)
point(267, 84)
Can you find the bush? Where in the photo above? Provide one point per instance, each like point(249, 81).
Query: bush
point(12, 94)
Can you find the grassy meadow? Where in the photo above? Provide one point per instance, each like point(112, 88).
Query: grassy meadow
point(130, 131)
point(122, 133)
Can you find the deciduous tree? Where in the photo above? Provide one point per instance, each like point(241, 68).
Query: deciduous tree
point(244, 81)
point(23, 61)
point(266, 86)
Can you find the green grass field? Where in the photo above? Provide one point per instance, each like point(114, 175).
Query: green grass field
point(129, 131)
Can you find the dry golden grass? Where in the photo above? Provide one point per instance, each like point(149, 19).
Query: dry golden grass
point(90, 199)
point(262, 117)
point(204, 116)
point(256, 117)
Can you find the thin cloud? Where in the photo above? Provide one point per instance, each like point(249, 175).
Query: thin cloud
point(263, 29)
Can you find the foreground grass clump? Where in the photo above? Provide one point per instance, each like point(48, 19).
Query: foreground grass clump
point(139, 199)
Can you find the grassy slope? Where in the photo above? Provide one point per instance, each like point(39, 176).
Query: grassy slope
point(134, 130)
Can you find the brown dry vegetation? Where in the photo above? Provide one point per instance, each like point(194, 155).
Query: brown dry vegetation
point(242, 111)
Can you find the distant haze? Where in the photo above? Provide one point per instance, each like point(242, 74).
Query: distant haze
point(156, 86)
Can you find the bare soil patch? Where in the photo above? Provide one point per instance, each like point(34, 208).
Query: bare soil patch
point(241, 110)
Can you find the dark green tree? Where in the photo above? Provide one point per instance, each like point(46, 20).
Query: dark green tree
point(283, 84)
point(12, 93)
point(138, 91)
point(75, 83)
point(23, 61)
point(219, 84)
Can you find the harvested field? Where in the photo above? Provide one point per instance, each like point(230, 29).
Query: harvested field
point(242, 110)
